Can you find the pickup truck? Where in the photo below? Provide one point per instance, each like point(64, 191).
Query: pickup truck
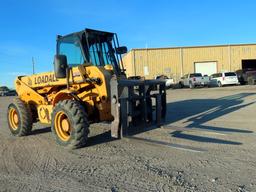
point(192, 80)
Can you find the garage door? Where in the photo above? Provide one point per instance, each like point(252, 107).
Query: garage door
point(206, 68)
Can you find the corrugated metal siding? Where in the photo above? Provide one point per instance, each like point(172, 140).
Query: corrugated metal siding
point(169, 61)
point(238, 53)
point(157, 61)
point(218, 54)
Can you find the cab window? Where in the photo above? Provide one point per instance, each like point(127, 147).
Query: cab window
point(100, 54)
point(70, 47)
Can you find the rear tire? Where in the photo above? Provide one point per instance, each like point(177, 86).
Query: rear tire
point(19, 118)
point(219, 84)
point(191, 86)
point(251, 81)
point(70, 124)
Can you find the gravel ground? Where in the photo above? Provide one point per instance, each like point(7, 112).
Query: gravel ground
point(207, 144)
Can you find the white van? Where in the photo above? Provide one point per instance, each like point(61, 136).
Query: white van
point(225, 78)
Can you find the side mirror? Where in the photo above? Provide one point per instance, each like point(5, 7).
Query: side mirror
point(121, 50)
point(60, 66)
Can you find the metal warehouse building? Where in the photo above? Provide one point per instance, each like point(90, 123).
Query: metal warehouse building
point(178, 61)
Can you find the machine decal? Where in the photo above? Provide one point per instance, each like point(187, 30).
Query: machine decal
point(45, 79)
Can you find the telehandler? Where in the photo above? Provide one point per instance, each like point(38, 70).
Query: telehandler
point(88, 85)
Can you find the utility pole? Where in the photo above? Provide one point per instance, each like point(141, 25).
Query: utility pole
point(33, 65)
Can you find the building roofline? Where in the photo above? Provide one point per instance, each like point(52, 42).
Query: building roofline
point(200, 46)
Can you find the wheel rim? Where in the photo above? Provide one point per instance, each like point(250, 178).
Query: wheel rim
point(13, 119)
point(62, 126)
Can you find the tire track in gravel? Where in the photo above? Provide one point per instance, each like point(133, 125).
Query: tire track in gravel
point(28, 157)
point(48, 167)
point(30, 165)
point(9, 160)
point(3, 168)
point(56, 167)
point(17, 159)
point(161, 187)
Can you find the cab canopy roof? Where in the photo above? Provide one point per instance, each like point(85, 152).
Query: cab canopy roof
point(91, 35)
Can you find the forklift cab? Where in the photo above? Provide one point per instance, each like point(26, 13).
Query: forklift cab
point(92, 47)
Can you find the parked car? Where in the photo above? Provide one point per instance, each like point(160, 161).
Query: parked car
point(246, 76)
point(193, 80)
point(206, 79)
point(4, 90)
point(225, 78)
point(11, 93)
point(168, 81)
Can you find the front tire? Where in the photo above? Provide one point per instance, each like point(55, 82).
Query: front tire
point(70, 124)
point(19, 118)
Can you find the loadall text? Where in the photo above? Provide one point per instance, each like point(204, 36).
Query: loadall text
point(45, 79)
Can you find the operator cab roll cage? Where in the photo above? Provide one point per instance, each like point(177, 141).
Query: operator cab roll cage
point(97, 47)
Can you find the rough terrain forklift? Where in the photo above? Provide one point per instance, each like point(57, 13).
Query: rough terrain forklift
point(88, 85)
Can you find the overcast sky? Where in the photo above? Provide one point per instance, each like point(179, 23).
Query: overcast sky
point(28, 28)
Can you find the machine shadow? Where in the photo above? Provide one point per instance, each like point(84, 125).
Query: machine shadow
point(197, 112)
point(181, 135)
point(41, 131)
point(101, 138)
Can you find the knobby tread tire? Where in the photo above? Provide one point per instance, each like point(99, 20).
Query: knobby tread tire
point(78, 118)
point(25, 118)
